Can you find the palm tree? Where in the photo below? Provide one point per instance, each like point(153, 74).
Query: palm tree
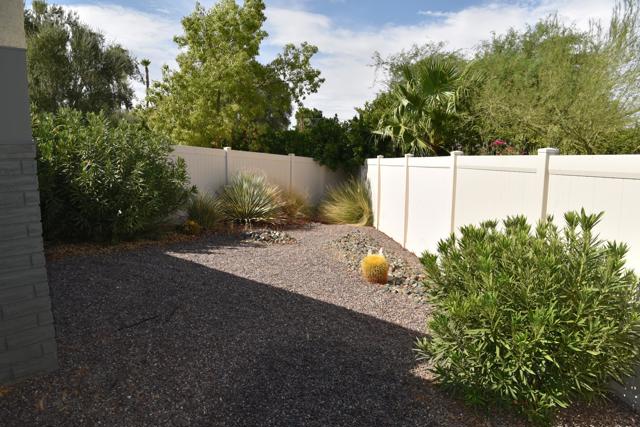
point(145, 63)
point(427, 98)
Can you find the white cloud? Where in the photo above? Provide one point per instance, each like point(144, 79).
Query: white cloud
point(345, 53)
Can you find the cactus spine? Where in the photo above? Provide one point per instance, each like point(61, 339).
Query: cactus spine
point(375, 268)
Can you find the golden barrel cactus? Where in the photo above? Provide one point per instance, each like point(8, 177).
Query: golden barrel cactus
point(192, 227)
point(375, 268)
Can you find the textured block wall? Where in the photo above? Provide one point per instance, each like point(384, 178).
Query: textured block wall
point(27, 335)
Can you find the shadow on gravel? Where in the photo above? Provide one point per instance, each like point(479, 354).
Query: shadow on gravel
point(146, 339)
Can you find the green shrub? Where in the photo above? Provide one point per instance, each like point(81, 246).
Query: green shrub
point(103, 179)
point(204, 210)
point(249, 198)
point(535, 319)
point(348, 203)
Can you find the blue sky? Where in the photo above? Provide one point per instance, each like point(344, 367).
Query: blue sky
point(347, 32)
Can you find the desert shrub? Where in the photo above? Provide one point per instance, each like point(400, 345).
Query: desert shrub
point(348, 203)
point(204, 210)
point(104, 179)
point(249, 198)
point(295, 207)
point(531, 318)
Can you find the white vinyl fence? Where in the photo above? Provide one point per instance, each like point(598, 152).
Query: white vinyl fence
point(419, 200)
point(211, 168)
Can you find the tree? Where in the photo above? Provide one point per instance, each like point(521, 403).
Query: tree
point(293, 66)
point(220, 93)
point(70, 65)
point(552, 85)
point(427, 113)
point(307, 117)
point(145, 63)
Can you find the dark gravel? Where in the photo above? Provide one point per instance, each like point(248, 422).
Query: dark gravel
point(224, 332)
point(267, 236)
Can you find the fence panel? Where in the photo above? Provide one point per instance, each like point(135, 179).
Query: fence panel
point(443, 194)
point(600, 183)
point(391, 213)
point(206, 167)
point(429, 198)
point(492, 187)
point(210, 168)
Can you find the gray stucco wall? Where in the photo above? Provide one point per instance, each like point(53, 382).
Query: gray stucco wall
point(27, 335)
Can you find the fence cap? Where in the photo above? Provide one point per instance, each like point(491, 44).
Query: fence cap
point(456, 153)
point(548, 150)
point(379, 156)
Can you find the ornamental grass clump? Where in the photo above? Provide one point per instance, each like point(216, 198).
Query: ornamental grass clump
point(348, 203)
point(534, 319)
point(295, 207)
point(375, 268)
point(204, 210)
point(249, 199)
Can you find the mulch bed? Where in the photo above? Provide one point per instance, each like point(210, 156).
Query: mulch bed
point(221, 330)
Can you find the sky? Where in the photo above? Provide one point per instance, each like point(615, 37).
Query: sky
point(347, 32)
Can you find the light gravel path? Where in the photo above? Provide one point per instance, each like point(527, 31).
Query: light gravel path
point(218, 332)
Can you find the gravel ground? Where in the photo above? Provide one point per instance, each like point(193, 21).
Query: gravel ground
point(225, 332)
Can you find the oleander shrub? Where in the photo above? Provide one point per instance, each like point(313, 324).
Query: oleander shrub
point(531, 318)
point(348, 203)
point(104, 178)
point(204, 209)
point(249, 198)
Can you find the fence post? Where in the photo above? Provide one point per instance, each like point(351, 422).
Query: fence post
point(543, 177)
point(379, 186)
point(226, 164)
point(454, 187)
point(406, 199)
point(291, 156)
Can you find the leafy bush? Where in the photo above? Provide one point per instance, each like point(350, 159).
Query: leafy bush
point(531, 319)
point(104, 179)
point(204, 210)
point(348, 203)
point(295, 207)
point(249, 198)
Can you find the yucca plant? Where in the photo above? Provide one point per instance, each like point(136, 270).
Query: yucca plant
point(348, 203)
point(249, 198)
point(534, 319)
point(204, 210)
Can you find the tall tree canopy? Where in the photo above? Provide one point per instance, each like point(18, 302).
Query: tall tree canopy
point(548, 85)
point(70, 65)
point(553, 85)
point(220, 92)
